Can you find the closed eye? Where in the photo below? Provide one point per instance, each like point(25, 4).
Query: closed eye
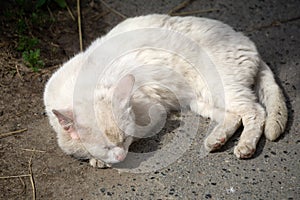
point(108, 148)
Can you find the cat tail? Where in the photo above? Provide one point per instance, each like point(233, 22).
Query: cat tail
point(271, 96)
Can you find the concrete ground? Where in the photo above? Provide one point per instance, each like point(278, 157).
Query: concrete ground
point(273, 172)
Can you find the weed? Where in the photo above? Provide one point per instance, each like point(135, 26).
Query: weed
point(32, 59)
point(21, 26)
point(29, 16)
point(25, 43)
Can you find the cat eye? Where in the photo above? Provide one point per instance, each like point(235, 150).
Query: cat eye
point(108, 148)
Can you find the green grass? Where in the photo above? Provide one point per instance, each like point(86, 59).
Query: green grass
point(30, 54)
point(33, 60)
point(29, 15)
point(26, 43)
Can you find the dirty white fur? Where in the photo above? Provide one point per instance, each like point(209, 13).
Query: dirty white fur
point(251, 95)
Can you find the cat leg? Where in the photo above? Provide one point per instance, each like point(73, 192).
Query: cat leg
point(228, 123)
point(253, 118)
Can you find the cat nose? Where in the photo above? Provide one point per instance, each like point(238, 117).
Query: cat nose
point(120, 157)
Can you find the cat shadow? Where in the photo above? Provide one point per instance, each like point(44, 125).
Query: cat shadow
point(153, 143)
point(146, 147)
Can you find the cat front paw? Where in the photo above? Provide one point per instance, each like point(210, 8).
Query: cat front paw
point(212, 144)
point(99, 164)
point(244, 151)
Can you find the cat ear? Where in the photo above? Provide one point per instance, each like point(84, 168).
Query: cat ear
point(124, 88)
point(66, 120)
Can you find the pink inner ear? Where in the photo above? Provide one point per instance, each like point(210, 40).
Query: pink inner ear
point(65, 119)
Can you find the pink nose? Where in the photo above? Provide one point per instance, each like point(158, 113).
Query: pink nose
point(120, 157)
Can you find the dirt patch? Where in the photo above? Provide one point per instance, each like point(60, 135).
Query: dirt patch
point(21, 90)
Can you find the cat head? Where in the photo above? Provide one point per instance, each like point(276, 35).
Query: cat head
point(108, 140)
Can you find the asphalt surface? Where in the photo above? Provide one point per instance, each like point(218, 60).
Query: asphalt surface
point(274, 172)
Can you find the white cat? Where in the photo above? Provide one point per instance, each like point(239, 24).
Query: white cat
point(125, 108)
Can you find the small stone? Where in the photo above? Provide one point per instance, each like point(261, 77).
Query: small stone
point(109, 193)
point(102, 190)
